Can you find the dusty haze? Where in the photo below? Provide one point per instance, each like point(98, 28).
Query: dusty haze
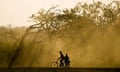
point(89, 39)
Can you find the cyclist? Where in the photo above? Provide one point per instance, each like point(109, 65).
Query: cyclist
point(61, 58)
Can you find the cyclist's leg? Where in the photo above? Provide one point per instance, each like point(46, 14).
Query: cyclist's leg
point(61, 64)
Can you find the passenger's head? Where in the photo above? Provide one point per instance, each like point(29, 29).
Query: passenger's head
point(66, 54)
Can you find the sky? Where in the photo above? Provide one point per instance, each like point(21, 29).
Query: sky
point(17, 12)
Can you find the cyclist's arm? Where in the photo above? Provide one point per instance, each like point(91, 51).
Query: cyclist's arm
point(58, 58)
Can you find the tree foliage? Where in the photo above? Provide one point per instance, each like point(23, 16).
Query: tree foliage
point(55, 24)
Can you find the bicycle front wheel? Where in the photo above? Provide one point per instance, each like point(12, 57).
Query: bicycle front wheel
point(54, 64)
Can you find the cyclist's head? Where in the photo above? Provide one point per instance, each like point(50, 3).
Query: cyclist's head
point(60, 52)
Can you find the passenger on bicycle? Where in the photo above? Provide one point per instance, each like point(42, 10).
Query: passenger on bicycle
point(67, 61)
point(61, 58)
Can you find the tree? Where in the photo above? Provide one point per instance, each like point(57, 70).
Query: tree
point(20, 45)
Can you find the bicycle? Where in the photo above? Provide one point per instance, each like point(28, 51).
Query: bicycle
point(56, 64)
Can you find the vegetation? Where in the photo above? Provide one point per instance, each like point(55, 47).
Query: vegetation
point(88, 32)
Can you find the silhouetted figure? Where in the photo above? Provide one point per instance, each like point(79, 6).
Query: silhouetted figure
point(61, 58)
point(67, 61)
